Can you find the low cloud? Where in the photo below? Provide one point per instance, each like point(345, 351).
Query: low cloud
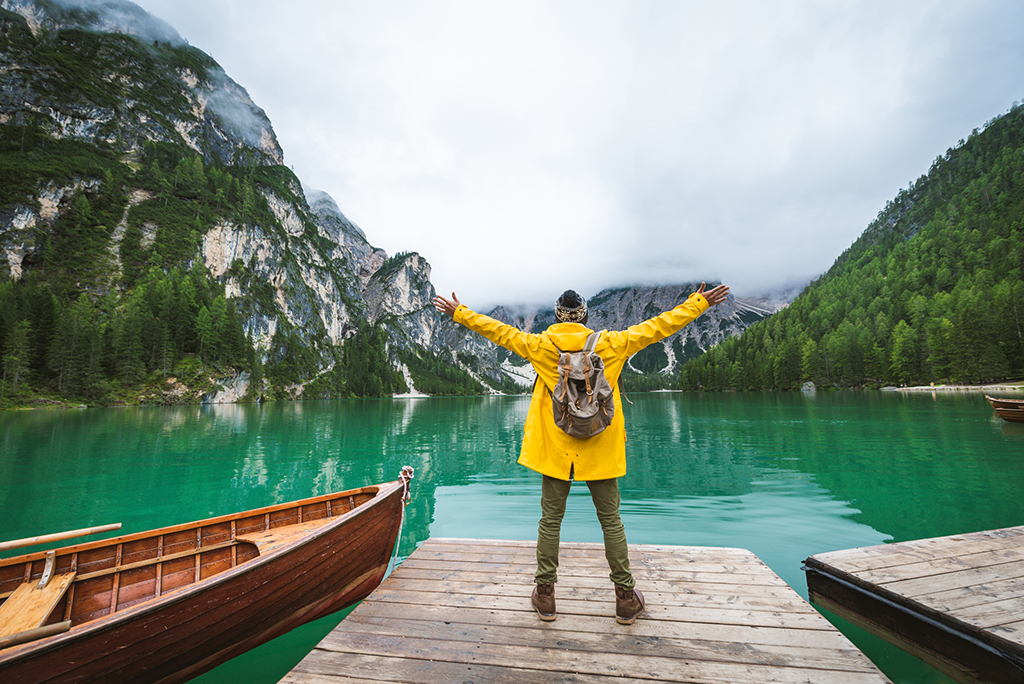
point(114, 16)
point(233, 107)
point(524, 147)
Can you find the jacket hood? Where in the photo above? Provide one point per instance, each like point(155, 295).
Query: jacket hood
point(568, 336)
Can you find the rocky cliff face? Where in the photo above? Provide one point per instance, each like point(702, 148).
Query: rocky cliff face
point(111, 76)
point(619, 308)
point(353, 248)
point(23, 226)
point(308, 285)
point(142, 82)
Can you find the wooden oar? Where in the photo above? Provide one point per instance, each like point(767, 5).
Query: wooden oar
point(33, 634)
point(57, 536)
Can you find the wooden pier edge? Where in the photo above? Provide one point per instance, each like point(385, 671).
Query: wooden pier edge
point(954, 652)
point(955, 602)
point(459, 610)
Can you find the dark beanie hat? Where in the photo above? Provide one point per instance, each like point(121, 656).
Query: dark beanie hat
point(570, 308)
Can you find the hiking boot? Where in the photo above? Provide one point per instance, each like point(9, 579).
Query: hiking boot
point(543, 601)
point(629, 605)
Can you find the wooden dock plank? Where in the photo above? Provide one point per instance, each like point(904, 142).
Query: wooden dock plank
point(903, 553)
point(694, 629)
point(718, 572)
point(569, 549)
point(585, 564)
point(995, 614)
point(660, 593)
point(956, 578)
point(459, 610)
point(659, 583)
point(738, 616)
point(996, 564)
point(660, 646)
point(503, 584)
point(606, 663)
point(957, 602)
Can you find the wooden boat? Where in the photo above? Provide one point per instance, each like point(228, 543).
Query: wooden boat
point(1013, 415)
point(169, 604)
point(1005, 403)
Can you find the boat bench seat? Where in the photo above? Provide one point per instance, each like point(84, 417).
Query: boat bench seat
point(271, 539)
point(29, 606)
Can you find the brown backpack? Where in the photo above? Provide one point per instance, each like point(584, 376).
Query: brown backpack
point(582, 399)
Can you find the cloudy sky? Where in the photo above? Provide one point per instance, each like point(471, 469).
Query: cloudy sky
point(525, 147)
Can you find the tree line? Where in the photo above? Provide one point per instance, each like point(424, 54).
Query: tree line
point(92, 349)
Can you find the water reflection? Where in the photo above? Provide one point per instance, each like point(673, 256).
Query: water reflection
point(785, 475)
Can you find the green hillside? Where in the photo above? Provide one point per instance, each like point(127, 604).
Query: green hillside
point(75, 326)
point(111, 305)
point(931, 292)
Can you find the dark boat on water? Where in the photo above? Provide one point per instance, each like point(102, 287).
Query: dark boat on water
point(1005, 403)
point(1011, 410)
point(169, 604)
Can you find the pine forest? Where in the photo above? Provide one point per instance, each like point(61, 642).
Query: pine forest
point(931, 292)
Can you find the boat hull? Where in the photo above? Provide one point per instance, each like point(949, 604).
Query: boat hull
point(1013, 415)
point(191, 629)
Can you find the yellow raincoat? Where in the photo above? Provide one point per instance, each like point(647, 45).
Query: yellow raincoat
point(546, 448)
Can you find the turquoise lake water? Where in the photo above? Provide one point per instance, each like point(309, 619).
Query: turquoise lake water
point(785, 475)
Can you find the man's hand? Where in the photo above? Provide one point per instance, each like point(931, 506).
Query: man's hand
point(446, 306)
point(714, 296)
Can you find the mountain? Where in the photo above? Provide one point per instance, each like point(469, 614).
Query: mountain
point(155, 249)
point(931, 292)
point(615, 309)
point(109, 73)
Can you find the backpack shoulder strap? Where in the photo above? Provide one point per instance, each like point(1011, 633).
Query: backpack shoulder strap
point(591, 343)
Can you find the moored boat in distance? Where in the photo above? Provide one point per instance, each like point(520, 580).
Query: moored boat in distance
point(1005, 403)
point(171, 603)
point(1011, 410)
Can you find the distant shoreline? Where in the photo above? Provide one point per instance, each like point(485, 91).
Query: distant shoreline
point(1017, 386)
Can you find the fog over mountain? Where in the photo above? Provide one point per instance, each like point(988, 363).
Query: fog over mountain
point(746, 142)
point(105, 16)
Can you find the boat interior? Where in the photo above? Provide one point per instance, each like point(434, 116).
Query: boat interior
point(47, 592)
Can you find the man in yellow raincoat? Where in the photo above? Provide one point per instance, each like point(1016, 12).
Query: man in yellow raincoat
point(560, 458)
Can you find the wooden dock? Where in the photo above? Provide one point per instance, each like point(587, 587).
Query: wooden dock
point(956, 602)
point(458, 610)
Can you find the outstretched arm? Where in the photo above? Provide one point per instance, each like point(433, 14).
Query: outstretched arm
point(503, 334)
point(714, 296)
point(636, 337)
point(446, 306)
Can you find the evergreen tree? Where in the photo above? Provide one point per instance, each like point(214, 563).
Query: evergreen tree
point(205, 331)
point(256, 364)
point(812, 364)
point(129, 359)
point(905, 356)
point(16, 355)
point(219, 341)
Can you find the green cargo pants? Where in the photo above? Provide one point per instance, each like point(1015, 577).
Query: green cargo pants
point(605, 494)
